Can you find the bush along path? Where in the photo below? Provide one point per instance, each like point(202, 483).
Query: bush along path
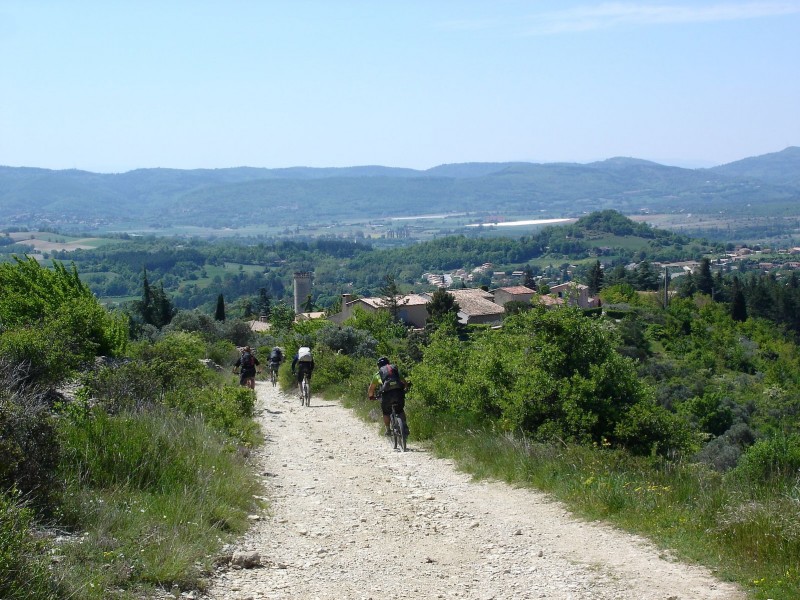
point(352, 518)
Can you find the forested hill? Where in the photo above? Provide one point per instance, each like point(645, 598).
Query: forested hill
point(779, 168)
point(235, 197)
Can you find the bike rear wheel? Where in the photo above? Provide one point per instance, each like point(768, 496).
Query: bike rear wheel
point(306, 392)
point(398, 439)
point(403, 436)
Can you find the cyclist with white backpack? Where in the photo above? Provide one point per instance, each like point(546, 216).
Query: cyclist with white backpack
point(302, 364)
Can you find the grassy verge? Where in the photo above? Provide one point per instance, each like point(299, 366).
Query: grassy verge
point(153, 494)
point(750, 536)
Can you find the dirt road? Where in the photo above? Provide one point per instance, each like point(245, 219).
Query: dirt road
point(352, 518)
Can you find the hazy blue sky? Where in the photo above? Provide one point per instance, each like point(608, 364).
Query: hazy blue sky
point(116, 85)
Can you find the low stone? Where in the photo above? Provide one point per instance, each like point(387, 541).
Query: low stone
point(246, 560)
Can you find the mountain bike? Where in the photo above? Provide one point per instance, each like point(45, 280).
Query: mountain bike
point(273, 373)
point(397, 427)
point(305, 391)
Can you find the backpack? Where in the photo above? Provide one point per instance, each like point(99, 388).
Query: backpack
point(248, 360)
point(304, 354)
point(390, 378)
point(275, 355)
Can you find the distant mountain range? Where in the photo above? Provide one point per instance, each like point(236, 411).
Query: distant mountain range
point(80, 200)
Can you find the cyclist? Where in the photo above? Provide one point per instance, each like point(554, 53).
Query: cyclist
point(275, 359)
point(303, 362)
point(246, 366)
point(391, 388)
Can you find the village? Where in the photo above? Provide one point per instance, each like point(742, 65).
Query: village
point(481, 305)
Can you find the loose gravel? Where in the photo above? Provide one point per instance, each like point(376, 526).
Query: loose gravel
point(352, 518)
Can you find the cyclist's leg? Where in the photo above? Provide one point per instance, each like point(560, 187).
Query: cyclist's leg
point(386, 409)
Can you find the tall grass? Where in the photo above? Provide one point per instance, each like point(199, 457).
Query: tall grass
point(24, 574)
point(155, 493)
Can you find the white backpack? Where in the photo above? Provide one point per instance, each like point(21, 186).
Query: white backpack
point(304, 354)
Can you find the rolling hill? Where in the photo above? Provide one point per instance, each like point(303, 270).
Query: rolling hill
point(235, 197)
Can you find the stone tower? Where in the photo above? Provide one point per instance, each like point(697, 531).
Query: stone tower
point(302, 289)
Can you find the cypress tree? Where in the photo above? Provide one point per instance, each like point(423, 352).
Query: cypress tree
point(738, 305)
point(595, 281)
point(219, 314)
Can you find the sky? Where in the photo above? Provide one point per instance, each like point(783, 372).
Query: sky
point(113, 85)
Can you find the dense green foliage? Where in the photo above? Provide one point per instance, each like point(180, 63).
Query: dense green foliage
point(144, 469)
point(50, 322)
point(553, 374)
point(254, 274)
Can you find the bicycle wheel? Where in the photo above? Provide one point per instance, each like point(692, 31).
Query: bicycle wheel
point(402, 427)
point(397, 433)
point(306, 392)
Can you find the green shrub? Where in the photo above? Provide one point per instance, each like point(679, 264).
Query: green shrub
point(129, 385)
point(194, 321)
point(348, 340)
point(723, 453)
point(227, 409)
point(23, 572)
point(28, 441)
point(380, 326)
point(771, 460)
point(221, 352)
point(647, 428)
point(56, 302)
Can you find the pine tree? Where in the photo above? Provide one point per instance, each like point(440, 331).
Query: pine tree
point(219, 314)
point(442, 305)
point(703, 280)
point(646, 276)
point(527, 278)
point(688, 287)
point(308, 305)
point(264, 303)
point(163, 310)
point(391, 297)
point(145, 305)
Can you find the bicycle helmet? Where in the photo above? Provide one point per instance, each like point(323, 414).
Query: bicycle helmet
point(382, 361)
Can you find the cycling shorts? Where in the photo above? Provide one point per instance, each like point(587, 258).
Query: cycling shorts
point(396, 397)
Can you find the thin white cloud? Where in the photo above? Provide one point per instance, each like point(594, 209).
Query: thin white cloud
point(608, 15)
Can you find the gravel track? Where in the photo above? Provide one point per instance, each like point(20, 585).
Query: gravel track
point(352, 518)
